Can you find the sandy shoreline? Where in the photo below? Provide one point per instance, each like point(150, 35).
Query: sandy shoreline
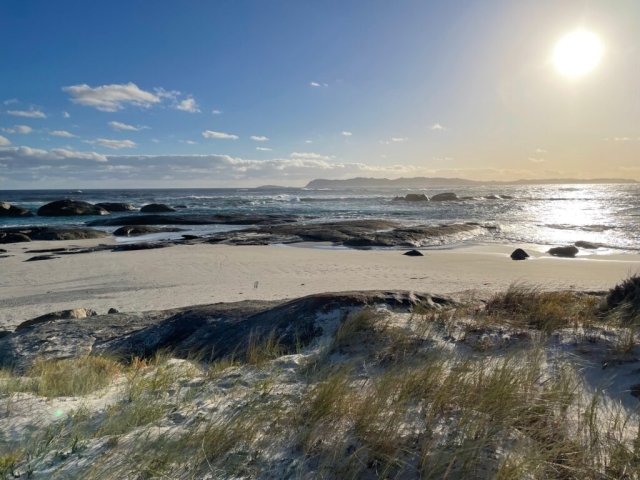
point(186, 275)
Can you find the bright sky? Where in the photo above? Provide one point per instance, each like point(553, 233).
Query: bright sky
point(243, 93)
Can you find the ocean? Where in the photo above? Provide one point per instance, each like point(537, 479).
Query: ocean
point(540, 215)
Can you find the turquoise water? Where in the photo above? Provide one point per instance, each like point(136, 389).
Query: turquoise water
point(539, 215)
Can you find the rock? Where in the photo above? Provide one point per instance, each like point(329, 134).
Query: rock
point(222, 328)
point(133, 230)
point(7, 210)
point(443, 197)
point(52, 233)
point(67, 208)
point(61, 315)
point(128, 247)
point(156, 208)
point(519, 254)
point(190, 237)
point(493, 197)
point(568, 251)
point(587, 245)
point(413, 253)
point(112, 311)
point(197, 219)
point(635, 390)
point(116, 206)
point(2, 250)
point(4, 333)
point(41, 257)
point(413, 197)
point(13, 237)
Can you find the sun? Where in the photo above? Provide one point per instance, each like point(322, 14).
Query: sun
point(577, 53)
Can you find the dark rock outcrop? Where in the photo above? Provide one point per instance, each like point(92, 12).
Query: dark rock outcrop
point(413, 253)
point(587, 245)
point(13, 237)
point(112, 311)
point(68, 208)
point(443, 197)
point(38, 258)
point(519, 254)
point(54, 316)
point(196, 219)
point(128, 247)
point(116, 206)
point(133, 230)
point(568, 251)
point(191, 237)
point(51, 233)
point(217, 330)
point(7, 210)
point(156, 208)
point(413, 197)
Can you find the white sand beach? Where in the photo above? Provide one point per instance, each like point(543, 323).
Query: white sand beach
point(186, 275)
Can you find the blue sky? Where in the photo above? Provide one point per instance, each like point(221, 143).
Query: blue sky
point(159, 93)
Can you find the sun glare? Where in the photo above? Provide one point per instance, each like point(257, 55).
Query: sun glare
point(577, 53)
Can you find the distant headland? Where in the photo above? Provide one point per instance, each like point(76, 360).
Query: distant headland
point(420, 182)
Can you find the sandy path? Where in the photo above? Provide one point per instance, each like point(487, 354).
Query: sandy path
point(189, 275)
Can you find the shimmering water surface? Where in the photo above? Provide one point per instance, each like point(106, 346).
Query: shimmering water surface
point(542, 215)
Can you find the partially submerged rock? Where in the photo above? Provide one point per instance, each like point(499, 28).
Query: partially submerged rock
point(519, 254)
point(8, 210)
point(61, 315)
point(413, 197)
point(112, 311)
point(156, 208)
point(50, 233)
point(67, 208)
point(116, 206)
point(443, 197)
point(587, 245)
point(134, 230)
point(568, 251)
point(196, 219)
point(413, 253)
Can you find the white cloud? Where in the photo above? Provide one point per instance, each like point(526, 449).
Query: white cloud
point(308, 141)
point(263, 149)
point(216, 112)
point(114, 144)
point(347, 134)
point(27, 113)
point(123, 126)
point(309, 155)
point(536, 160)
point(24, 129)
point(4, 141)
point(399, 139)
point(187, 105)
point(34, 155)
point(314, 84)
point(155, 140)
point(65, 114)
point(10, 101)
point(212, 134)
point(622, 139)
point(62, 133)
point(540, 150)
point(258, 139)
point(111, 98)
point(188, 142)
point(437, 126)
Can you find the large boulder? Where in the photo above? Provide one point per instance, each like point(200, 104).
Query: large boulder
point(587, 245)
point(68, 208)
point(133, 230)
point(413, 197)
point(519, 254)
point(568, 251)
point(7, 210)
point(116, 207)
point(13, 237)
point(61, 315)
point(157, 208)
point(443, 197)
point(26, 234)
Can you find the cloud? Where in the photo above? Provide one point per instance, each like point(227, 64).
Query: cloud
point(62, 133)
point(347, 134)
point(187, 105)
point(216, 112)
point(540, 150)
point(113, 144)
point(24, 129)
point(437, 126)
point(314, 84)
point(188, 142)
point(442, 159)
point(123, 126)
point(155, 140)
point(308, 141)
point(536, 160)
point(399, 139)
point(31, 156)
point(263, 149)
point(10, 101)
point(65, 114)
point(621, 139)
point(4, 141)
point(309, 155)
point(31, 113)
point(212, 134)
point(111, 98)
point(258, 139)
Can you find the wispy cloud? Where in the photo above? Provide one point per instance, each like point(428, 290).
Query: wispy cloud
point(308, 141)
point(309, 156)
point(621, 139)
point(111, 98)
point(399, 139)
point(65, 114)
point(24, 129)
point(31, 113)
point(4, 141)
point(258, 139)
point(113, 144)
point(536, 160)
point(315, 84)
point(62, 133)
point(437, 126)
point(220, 135)
point(216, 112)
point(187, 105)
point(442, 159)
point(540, 150)
point(188, 142)
point(347, 134)
point(123, 126)
point(10, 101)
point(263, 149)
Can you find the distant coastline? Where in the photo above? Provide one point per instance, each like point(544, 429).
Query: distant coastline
point(419, 182)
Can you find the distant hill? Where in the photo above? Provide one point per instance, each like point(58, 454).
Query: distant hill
point(421, 182)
